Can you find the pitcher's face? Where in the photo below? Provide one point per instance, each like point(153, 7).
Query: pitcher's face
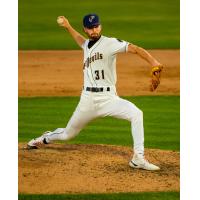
point(94, 32)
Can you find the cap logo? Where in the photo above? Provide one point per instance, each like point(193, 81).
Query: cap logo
point(91, 18)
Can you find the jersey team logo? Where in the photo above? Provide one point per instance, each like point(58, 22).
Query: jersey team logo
point(91, 18)
point(96, 56)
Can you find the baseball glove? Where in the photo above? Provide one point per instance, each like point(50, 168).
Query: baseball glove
point(155, 77)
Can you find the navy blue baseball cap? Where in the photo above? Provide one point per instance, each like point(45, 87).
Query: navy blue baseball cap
point(91, 20)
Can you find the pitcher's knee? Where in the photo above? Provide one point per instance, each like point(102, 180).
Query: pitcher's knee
point(137, 115)
point(140, 114)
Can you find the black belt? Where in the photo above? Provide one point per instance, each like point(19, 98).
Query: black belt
point(96, 89)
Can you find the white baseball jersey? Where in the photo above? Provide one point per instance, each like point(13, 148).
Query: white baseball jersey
point(100, 71)
point(100, 61)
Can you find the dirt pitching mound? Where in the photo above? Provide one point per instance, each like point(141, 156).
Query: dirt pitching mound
point(61, 168)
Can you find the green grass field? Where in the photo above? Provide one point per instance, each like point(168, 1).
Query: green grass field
point(150, 24)
point(161, 121)
point(118, 196)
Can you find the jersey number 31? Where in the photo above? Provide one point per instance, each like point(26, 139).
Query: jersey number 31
point(99, 73)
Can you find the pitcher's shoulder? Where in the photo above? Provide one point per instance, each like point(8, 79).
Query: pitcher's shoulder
point(109, 40)
point(85, 43)
point(113, 39)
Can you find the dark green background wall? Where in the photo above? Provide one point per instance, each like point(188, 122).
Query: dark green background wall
point(150, 24)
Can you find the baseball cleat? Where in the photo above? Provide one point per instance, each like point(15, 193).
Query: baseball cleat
point(38, 142)
point(141, 163)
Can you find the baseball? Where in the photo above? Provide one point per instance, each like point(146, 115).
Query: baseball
point(60, 20)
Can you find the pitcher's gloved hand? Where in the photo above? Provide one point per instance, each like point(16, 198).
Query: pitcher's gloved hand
point(155, 77)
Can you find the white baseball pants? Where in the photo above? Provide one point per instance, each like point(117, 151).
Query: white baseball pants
point(100, 104)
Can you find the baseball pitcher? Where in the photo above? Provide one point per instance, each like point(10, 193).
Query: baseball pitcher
point(99, 97)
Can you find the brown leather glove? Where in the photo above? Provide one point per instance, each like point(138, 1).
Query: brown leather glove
point(155, 77)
